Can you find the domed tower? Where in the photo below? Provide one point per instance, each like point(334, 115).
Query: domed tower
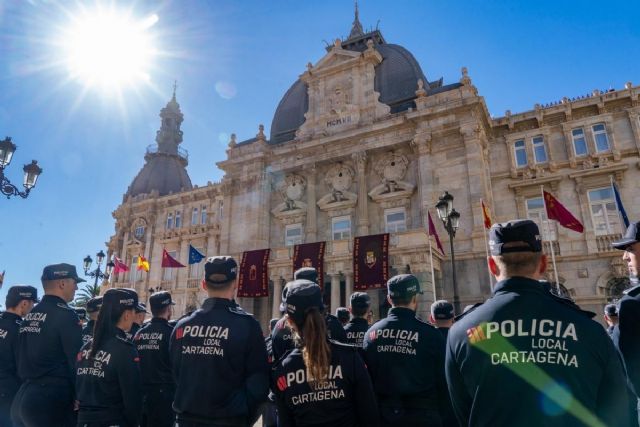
point(165, 165)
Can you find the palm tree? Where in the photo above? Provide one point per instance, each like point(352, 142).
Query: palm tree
point(85, 294)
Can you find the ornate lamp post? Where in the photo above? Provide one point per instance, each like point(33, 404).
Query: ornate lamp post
point(450, 219)
point(98, 274)
point(31, 171)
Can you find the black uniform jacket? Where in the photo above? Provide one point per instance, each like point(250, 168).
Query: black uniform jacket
point(152, 342)
point(282, 336)
point(344, 399)
point(9, 329)
point(626, 335)
point(405, 357)
point(50, 338)
point(87, 331)
point(219, 363)
point(529, 358)
point(355, 330)
point(108, 385)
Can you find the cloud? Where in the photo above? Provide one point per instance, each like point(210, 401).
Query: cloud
point(225, 90)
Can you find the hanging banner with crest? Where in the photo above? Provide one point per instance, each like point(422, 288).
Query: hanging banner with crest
point(253, 279)
point(371, 261)
point(310, 255)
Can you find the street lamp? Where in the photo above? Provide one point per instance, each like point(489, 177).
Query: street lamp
point(451, 220)
point(98, 274)
point(31, 171)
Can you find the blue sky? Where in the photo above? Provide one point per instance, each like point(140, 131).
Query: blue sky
point(233, 62)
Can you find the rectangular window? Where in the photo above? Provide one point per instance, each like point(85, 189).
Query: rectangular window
point(537, 213)
point(178, 219)
point(196, 271)
point(579, 143)
point(520, 152)
point(293, 234)
point(600, 137)
point(194, 216)
point(169, 221)
point(604, 213)
point(203, 215)
point(395, 220)
point(168, 273)
point(139, 231)
point(341, 227)
point(539, 150)
point(134, 273)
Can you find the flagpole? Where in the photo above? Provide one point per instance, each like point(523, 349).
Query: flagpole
point(486, 249)
point(433, 276)
point(622, 229)
point(553, 252)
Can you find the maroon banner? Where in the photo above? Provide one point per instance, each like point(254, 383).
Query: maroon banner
point(253, 280)
point(310, 255)
point(371, 261)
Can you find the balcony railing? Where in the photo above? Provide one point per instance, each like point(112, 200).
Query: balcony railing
point(153, 149)
point(603, 243)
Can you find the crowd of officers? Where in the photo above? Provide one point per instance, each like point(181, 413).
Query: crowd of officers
point(525, 357)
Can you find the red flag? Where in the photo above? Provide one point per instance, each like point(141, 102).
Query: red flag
point(169, 262)
point(120, 267)
point(434, 233)
point(555, 210)
point(485, 215)
point(1, 278)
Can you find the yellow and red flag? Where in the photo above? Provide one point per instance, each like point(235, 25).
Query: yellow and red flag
point(143, 264)
point(486, 216)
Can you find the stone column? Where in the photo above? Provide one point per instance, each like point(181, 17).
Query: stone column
point(182, 275)
point(422, 147)
point(277, 294)
point(312, 226)
point(335, 291)
point(360, 160)
point(348, 286)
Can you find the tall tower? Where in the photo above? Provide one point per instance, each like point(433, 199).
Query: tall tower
point(165, 162)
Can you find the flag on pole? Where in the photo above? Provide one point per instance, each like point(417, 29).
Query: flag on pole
point(119, 267)
point(557, 211)
point(623, 213)
point(1, 279)
point(486, 217)
point(143, 264)
point(434, 233)
point(169, 262)
point(194, 255)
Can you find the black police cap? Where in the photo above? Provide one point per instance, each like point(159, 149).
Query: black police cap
point(520, 235)
point(94, 304)
point(442, 310)
point(141, 308)
point(342, 313)
point(124, 298)
point(360, 300)
point(302, 296)
point(81, 312)
point(306, 273)
point(631, 236)
point(60, 271)
point(611, 310)
point(18, 293)
point(403, 286)
point(160, 300)
point(220, 270)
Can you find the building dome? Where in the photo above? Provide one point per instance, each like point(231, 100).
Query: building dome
point(396, 82)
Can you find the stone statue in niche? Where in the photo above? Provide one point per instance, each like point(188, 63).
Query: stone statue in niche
point(339, 179)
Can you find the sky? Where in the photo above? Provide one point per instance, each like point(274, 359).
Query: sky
point(233, 61)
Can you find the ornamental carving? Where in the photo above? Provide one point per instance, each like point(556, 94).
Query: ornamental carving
point(339, 179)
point(292, 209)
point(138, 230)
point(392, 168)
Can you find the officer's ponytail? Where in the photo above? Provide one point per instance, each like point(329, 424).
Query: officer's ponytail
point(110, 313)
point(316, 352)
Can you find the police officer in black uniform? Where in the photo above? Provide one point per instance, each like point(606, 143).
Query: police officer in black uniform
point(93, 307)
point(442, 316)
point(281, 336)
point(611, 317)
point(360, 303)
point(405, 357)
point(527, 357)
point(108, 376)
point(141, 312)
point(50, 338)
point(81, 312)
point(152, 342)
point(19, 302)
point(321, 382)
point(218, 356)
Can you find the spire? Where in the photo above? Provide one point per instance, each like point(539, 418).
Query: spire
point(175, 86)
point(170, 136)
point(356, 27)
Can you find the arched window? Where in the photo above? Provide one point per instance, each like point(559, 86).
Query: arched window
point(615, 287)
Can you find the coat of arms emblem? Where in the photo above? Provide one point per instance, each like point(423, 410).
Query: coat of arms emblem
point(371, 259)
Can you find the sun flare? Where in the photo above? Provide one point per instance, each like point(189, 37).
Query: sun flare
point(109, 48)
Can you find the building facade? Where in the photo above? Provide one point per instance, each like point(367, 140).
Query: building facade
point(363, 143)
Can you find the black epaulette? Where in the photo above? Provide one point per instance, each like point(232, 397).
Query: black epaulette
point(473, 307)
point(238, 310)
point(343, 345)
point(632, 292)
point(124, 340)
point(571, 304)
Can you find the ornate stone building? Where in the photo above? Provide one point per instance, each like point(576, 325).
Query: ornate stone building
point(364, 143)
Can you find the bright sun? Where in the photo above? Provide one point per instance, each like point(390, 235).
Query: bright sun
point(109, 48)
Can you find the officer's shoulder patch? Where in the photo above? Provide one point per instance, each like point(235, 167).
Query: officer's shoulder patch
point(240, 311)
point(472, 308)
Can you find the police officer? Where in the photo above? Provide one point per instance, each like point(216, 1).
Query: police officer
point(527, 357)
point(281, 336)
point(108, 376)
point(141, 312)
point(442, 316)
point(342, 313)
point(218, 356)
point(611, 317)
point(152, 342)
point(321, 382)
point(360, 303)
point(81, 312)
point(19, 302)
point(405, 357)
point(50, 337)
point(93, 307)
